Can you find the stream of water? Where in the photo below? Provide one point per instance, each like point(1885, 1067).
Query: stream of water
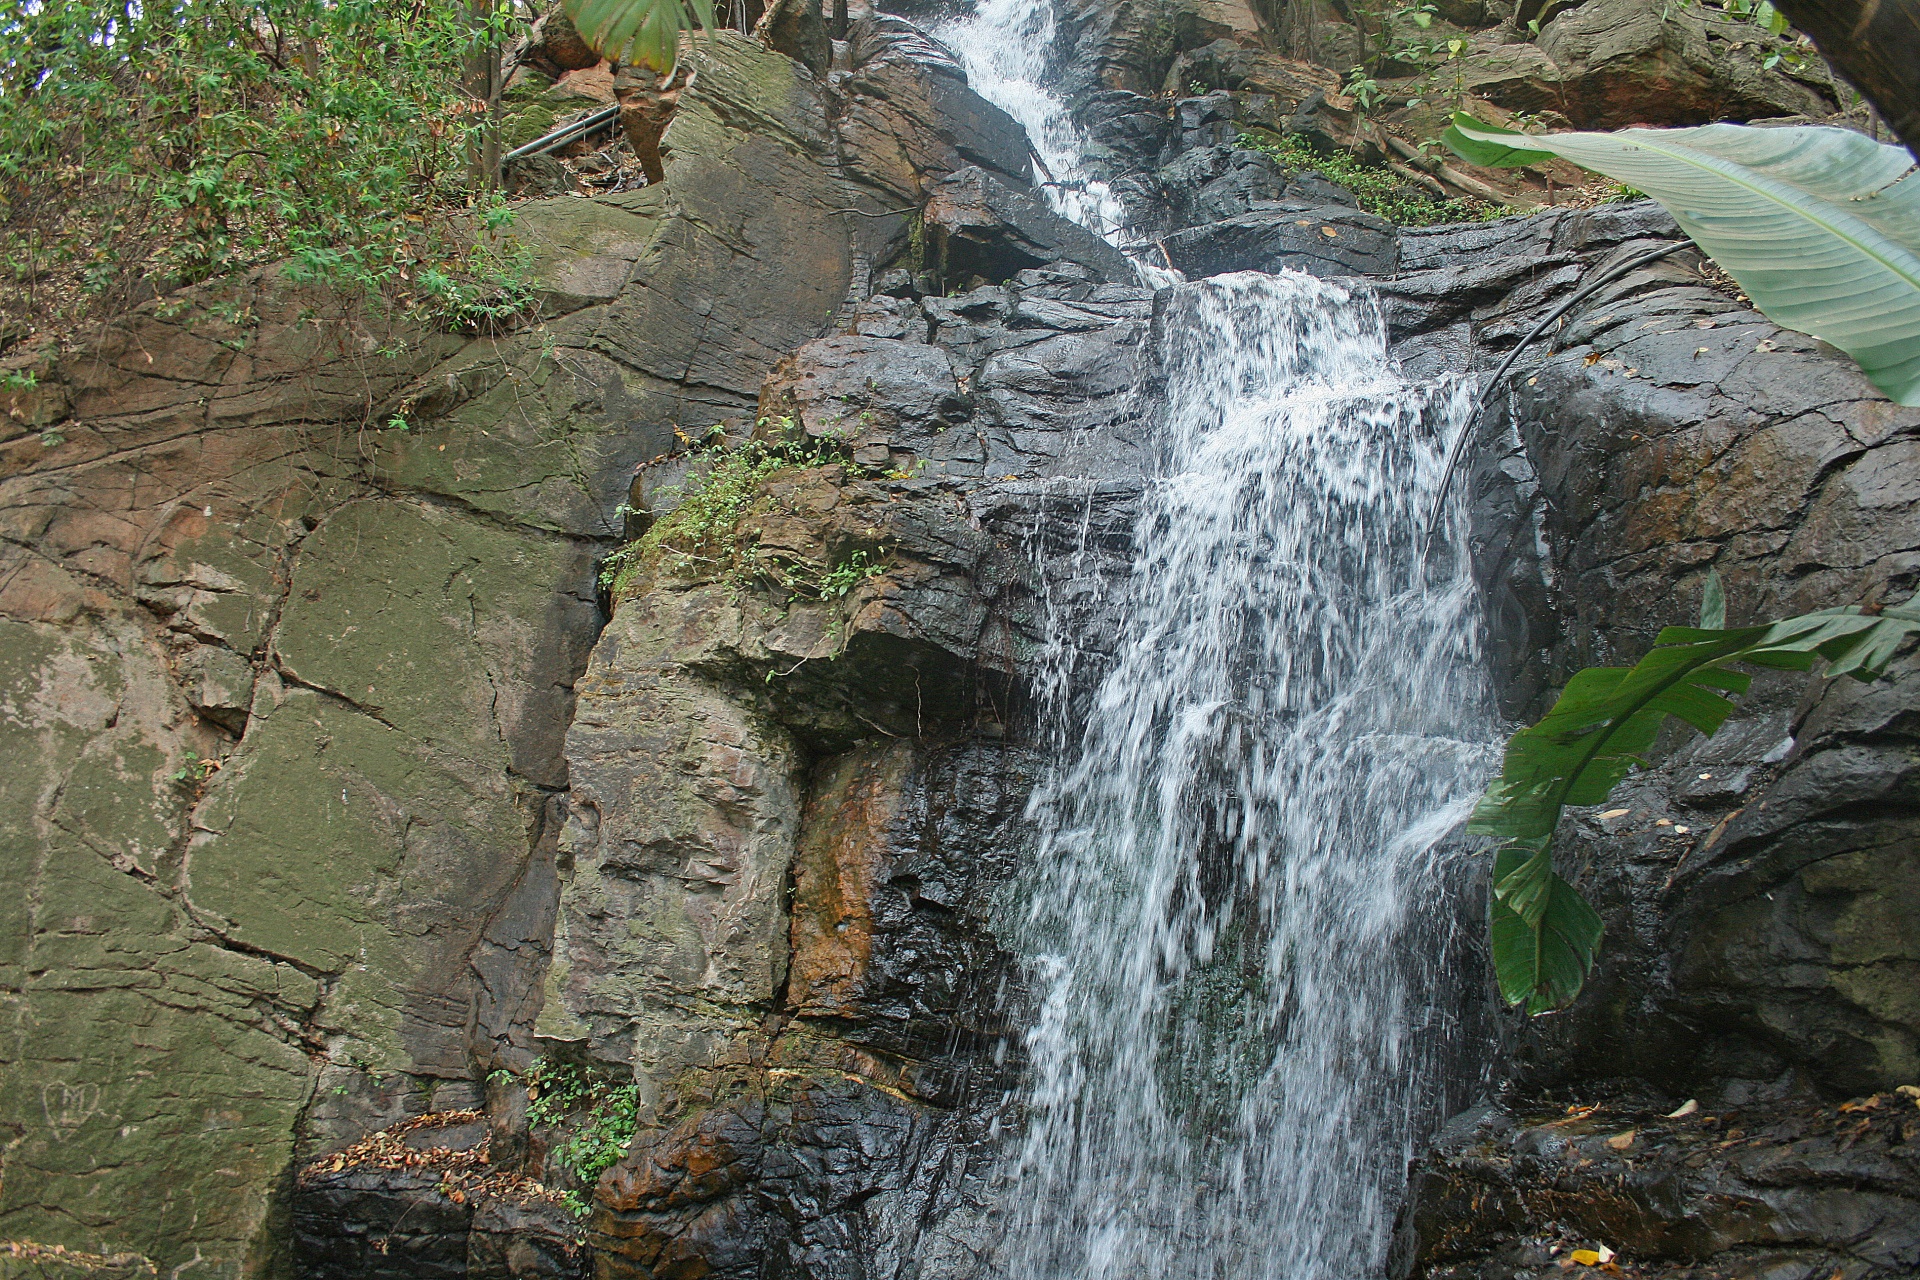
point(1241, 920)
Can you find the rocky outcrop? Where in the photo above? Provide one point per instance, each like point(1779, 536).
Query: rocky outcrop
point(296, 599)
point(1755, 885)
point(811, 800)
point(1621, 62)
point(1151, 80)
point(317, 753)
point(1783, 1188)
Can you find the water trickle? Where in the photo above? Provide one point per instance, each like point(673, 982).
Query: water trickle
point(1241, 923)
point(1239, 915)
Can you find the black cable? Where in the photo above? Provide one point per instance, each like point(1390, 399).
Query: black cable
point(1578, 296)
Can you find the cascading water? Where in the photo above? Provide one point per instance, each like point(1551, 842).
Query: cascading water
point(1240, 922)
point(1005, 46)
point(1239, 918)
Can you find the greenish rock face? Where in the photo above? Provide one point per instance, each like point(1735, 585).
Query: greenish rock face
point(121, 1014)
point(373, 636)
point(284, 691)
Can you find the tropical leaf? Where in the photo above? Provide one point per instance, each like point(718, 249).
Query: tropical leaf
point(1541, 955)
point(1545, 936)
point(644, 31)
point(1713, 603)
point(1820, 226)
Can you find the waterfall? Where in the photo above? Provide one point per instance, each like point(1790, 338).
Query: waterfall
point(1240, 925)
point(1006, 47)
point(1241, 914)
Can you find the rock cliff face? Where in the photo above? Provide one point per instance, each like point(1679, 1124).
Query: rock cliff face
point(1758, 885)
point(338, 791)
point(288, 684)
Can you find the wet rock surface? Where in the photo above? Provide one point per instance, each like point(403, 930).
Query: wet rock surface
point(826, 791)
point(320, 752)
point(423, 1199)
point(1773, 1189)
point(286, 788)
point(1756, 886)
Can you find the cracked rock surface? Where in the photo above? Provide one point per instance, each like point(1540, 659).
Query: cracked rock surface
point(286, 691)
point(329, 789)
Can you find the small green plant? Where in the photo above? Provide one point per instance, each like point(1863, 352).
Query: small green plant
point(848, 574)
point(1363, 88)
point(705, 529)
point(596, 1117)
point(1377, 187)
point(1545, 936)
point(19, 380)
point(195, 771)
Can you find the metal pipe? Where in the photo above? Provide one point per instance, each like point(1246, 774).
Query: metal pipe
point(565, 133)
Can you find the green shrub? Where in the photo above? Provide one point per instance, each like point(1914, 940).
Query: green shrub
point(706, 530)
point(151, 146)
point(1377, 187)
point(596, 1117)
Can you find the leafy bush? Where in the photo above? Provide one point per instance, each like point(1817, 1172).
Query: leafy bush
point(704, 530)
point(1377, 187)
point(148, 146)
point(596, 1116)
point(1545, 936)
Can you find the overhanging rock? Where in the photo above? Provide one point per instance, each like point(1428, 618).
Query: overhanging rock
point(978, 225)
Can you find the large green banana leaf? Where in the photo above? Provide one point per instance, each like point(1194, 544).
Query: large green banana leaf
point(1820, 226)
point(1544, 934)
point(645, 31)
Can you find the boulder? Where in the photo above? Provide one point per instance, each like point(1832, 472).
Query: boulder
point(554, 44)
point(797, 29)
point(1625, 62)
point(1320, 239)
point(1220, 182)
point(980, 225)
point(910, 118)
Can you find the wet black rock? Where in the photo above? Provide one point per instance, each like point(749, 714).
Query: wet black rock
point(367, 1223)
point(1778, 1190)
point(981, 226)
point(1762, 911)
point(1318, 238)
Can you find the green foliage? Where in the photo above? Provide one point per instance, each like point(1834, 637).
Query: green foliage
point(848, 574)
point(154, 145)
point(196, 770)
point(1391, 32)
point(707, 529)
point(1377, 187)
point(595, 1116)
point(646, 31)
point(1544, 934)
point(1820, 227)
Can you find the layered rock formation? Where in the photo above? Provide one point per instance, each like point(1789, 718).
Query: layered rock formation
point(297, 598)
point(317, 753)
point(1757, 886)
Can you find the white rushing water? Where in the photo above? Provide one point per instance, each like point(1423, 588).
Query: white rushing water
point(1239, 923)
point(1005, 45)
point(1240, 914)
